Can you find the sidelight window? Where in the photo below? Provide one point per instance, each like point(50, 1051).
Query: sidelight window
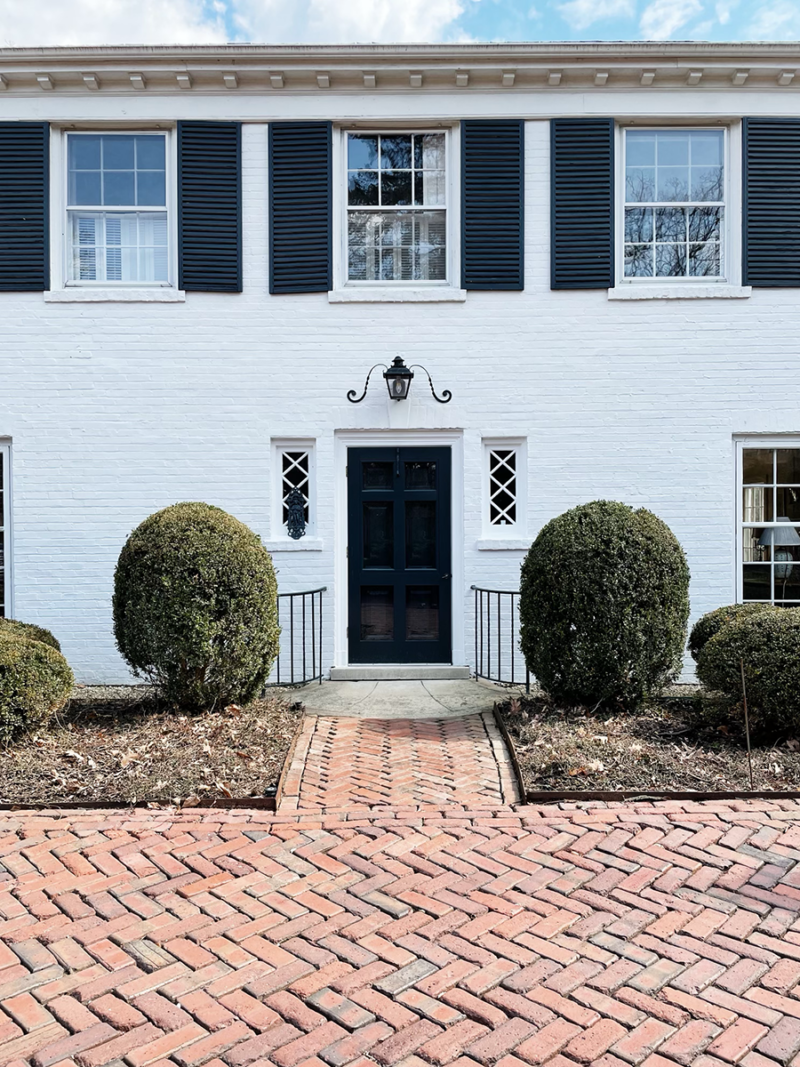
point(504, 497)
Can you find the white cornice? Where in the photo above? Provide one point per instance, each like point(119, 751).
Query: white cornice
point(507, 68)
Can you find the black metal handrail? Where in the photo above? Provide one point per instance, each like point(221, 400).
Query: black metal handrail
point(498, 657)
point(300, 616)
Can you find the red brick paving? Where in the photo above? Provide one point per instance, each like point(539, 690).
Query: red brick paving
point(405, 935)
point(340, 761)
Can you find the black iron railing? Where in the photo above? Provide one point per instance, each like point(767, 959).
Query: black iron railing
point(300, 657)
point(498, 657)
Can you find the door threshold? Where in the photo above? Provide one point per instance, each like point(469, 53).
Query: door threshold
point(387, 672)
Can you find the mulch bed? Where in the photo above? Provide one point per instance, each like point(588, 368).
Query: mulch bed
point(684, 741)
point(118, 743)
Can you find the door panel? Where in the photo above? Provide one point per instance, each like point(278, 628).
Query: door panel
point(399, 560)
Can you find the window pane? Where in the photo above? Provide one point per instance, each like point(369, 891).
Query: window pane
point(421, 475)
point(85, 188)
point(151, 188)
point(706, 183)
point(118, 188)
point(421, 533)
point(639, 261)
point(640, 184)
point(429, 151)
point(670, 261)
point(378, 535)
point(84, 152)
point(640, 148)
point(150, 153)
point(395, 151)
point(118, 153)
point(672, 184)
point(753, 551)
point(377, 475)
point(362, 188)
point(362, 151)
point(429, 187)
point(757, 466)
point(757, 581)
point(789, 466)
point(670, 224)
point(130, 247)
point(704, 223)
point(756, 504)
point(396, 187)
point(639, 224)
point(672, 148)
point(704, 260)
point(707, 148)
point(422, 613)
point(787, 505)
point(377, 613)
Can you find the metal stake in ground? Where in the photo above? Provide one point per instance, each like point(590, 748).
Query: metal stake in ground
point(746, 722)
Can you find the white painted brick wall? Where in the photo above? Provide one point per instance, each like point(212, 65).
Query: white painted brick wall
point(117, 410)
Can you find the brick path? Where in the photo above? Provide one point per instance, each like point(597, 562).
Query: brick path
point(665, 934)
point(338, 762)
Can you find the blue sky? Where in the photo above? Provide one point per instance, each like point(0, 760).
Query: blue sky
point(75, 22)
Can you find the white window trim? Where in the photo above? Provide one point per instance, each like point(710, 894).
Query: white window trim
point(729, 284)
point(5, 523)
point(511, 536)
point(347, 292)
point(280, 540)
point(63, 291)
point(740, 443)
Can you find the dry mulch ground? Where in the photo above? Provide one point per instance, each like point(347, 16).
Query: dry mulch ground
point(684, 741)
point(118, 743)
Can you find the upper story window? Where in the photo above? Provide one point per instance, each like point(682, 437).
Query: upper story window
point(396, 207)
point(769, 515)
point(117, 217)
point(674, 211)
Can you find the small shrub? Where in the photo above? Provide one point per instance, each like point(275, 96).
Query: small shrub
point(35, 682)
point(713, 621)
point(604, 605)
point(768, 643)
point(195, 607)
point(27, 629)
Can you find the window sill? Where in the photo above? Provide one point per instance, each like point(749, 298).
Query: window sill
point(286, 544)
point(503, 544)
point(680, 292)
point(118, 296)
point(388, 295)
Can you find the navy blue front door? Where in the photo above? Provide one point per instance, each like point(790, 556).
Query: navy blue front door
point(399, 563)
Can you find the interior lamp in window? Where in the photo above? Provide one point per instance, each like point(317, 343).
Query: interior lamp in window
point(777, 538)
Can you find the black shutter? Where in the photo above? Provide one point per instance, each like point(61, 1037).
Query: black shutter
point(24, 207)
point(771, 203)
point(210, 207)
point(300, 207)
point(581, 204)
point(492, 204)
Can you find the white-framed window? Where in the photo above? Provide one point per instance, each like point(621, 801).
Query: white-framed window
point(294, 468)
point(5, 530)
point(117, 197)
point(675, 204)
point(397, 207)
point(504, 487)
point(768, 519)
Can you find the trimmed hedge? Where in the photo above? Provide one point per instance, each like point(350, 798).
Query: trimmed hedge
point(35, 682)
point(713, 621)
point(28, 630)
point(604, 605)
point(195, 606)
point(768, 643)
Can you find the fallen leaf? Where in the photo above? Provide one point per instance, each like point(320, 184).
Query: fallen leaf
point(577, 770)
point(191, 802)
point(73, 757)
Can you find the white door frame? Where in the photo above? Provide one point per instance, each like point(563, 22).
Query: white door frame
point(344, 439)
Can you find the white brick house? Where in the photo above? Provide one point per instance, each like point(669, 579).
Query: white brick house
point(150, 354)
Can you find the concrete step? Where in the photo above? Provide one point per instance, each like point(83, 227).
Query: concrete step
point(386, 672)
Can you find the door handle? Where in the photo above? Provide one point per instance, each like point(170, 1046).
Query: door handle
point(444, 576)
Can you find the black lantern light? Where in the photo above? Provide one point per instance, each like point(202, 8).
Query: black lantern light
point(398, 379)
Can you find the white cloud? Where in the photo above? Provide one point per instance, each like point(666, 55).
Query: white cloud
point(582, 13)
point(723, 10)
point(35, 23)
point(662, 18)
point(778, 20)
point(347, 21)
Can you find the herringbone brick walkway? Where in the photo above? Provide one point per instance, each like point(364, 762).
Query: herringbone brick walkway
point(661, 934)
point(338, 762)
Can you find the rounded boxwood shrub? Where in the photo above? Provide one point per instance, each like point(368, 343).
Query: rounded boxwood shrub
point(35, 682)
point(195, 609)
point(713, 621)
point(27, 629)
point(768, 643)
point(604, 605)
